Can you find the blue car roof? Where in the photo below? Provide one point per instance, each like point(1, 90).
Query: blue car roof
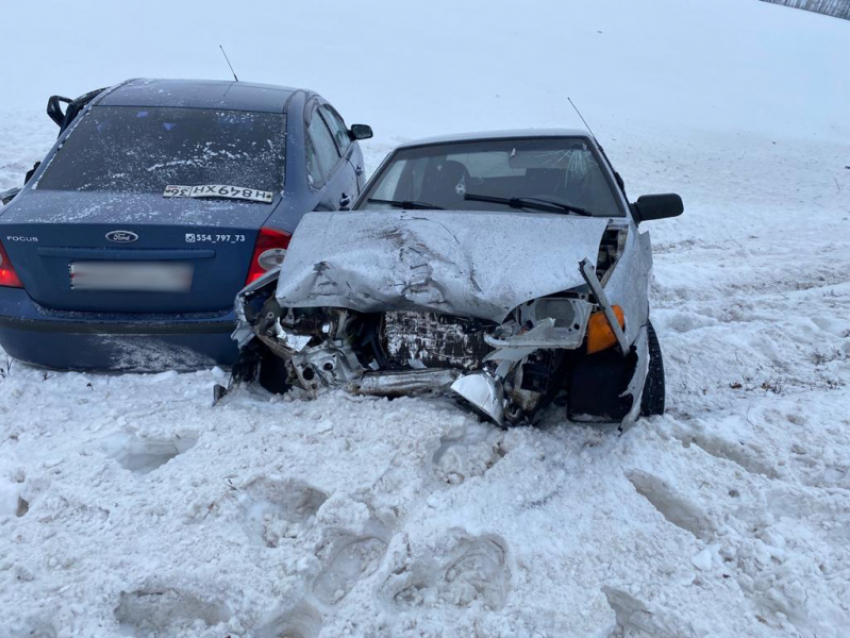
point(201, 94)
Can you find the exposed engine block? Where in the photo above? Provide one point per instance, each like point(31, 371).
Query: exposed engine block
point(431, 340)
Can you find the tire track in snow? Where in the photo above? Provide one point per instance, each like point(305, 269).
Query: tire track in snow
point(674, 507)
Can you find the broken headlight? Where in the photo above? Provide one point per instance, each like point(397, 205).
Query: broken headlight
point(610, 249)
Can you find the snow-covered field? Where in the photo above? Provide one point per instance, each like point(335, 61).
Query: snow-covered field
point(129, 506)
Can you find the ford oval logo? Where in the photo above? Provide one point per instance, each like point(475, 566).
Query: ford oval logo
point(122, 236)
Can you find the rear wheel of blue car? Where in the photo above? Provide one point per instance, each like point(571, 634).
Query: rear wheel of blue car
point(652, 400)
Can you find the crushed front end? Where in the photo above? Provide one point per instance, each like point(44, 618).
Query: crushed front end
point(509, 371)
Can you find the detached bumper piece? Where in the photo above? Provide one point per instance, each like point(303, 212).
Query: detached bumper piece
point(485, 393)
point(404, 382)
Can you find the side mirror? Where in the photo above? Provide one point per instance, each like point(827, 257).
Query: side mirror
point(31, 172)
point(8, 196)
point(64, 119)
point(360, 132)
point(54, 110)
point(651, 207)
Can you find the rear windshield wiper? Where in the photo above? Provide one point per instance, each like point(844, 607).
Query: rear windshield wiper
point(406, 205)
point(530, 202)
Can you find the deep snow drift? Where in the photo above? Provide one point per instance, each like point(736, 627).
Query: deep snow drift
point(129, 506)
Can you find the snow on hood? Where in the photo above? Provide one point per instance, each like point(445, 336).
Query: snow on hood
point(472, 263)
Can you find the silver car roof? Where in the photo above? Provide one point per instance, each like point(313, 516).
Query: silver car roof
point(499, 135)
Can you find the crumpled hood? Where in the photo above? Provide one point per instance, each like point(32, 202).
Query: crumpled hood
point(471, 263)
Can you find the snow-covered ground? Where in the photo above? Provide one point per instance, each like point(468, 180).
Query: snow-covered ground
point(129, 506)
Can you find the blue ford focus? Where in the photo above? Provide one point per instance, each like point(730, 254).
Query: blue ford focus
point(160, 200)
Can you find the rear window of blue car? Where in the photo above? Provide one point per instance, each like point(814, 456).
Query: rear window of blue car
point(143, 150)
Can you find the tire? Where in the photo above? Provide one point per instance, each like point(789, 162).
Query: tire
point(652, 400)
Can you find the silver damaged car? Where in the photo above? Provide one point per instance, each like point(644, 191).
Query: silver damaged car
point(506, 269)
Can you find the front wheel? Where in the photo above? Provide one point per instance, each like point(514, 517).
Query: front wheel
point(652, 400)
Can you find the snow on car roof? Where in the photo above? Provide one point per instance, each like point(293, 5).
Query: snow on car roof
point(215, 94)
point(499, 135)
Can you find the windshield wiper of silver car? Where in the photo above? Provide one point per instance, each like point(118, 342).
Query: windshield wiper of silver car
point(530, 202)
point(406, 205)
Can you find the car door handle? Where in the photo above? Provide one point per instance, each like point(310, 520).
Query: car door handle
point(345, 200)
point(358, 170)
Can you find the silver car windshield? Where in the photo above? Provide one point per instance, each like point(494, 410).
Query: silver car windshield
point(499, 174)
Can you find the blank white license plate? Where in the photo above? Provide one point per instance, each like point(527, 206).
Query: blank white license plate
point(219, 190)
point(149, 276)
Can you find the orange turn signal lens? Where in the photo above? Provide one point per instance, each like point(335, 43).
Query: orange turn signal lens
point(599, 334)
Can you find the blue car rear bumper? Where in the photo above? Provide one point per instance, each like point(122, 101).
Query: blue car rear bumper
point(90, 341)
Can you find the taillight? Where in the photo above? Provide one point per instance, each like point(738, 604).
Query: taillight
point(268, 252)
point(8, 276)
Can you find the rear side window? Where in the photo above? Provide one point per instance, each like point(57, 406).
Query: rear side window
point(314, 172)
point(324, 152)
point(145, 149)
point(337, 127)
